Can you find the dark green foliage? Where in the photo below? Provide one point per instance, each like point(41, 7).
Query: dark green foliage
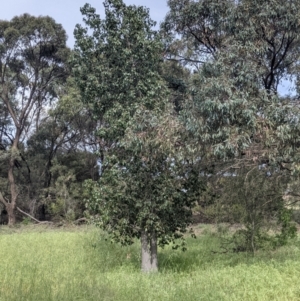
point(154, 195)
point(177, 78)
point(117, 67)
point(288, 227)
point(145, 187)
point(65, 197)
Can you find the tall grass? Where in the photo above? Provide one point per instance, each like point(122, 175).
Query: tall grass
point(80, 264)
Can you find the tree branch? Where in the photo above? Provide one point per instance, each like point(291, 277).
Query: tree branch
point(36, 220)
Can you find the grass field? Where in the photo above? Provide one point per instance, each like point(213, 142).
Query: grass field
point(78, 264)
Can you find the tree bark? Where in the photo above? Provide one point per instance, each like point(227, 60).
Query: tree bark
point(10, 208)
point(149, 252)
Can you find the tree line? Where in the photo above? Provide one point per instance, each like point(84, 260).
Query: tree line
point(139, 129)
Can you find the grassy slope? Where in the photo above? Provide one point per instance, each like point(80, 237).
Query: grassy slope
point(81, 265)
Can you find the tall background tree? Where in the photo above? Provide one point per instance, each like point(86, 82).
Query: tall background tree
point(33, 54)
point(240, 51)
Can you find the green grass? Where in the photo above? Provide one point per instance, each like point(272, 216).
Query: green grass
point(78, 264)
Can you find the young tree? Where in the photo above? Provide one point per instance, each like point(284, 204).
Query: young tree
point(33, 53)
point(140, 193)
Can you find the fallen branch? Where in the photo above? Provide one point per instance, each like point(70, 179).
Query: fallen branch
point(83, 219)
point(33, 218)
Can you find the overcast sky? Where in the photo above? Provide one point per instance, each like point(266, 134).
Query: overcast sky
point(67, 13)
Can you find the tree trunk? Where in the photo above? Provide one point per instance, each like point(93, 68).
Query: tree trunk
point(11, 214)
point(11, 206)
point(149, 252)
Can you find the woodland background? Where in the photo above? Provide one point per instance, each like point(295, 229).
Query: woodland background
point(143, 130)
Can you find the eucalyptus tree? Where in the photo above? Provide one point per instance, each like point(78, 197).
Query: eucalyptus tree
point(117, 68)
point(236, 92)
point(33, 56)
point(196, 31)
point(243, 50)
point(240, 56)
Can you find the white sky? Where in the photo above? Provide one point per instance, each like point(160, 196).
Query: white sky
point(67, 13)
